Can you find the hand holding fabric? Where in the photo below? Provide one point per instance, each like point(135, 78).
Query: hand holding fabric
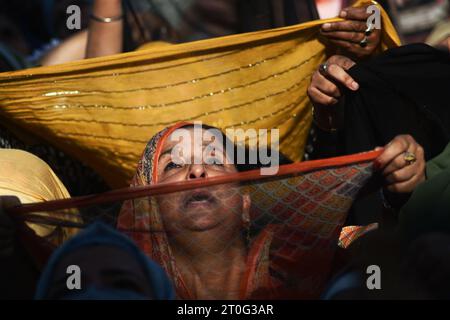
point(325, 86)
point(347, 35)
point(401, 174)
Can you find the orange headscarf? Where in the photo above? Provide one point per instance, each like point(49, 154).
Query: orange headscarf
point(291, 257)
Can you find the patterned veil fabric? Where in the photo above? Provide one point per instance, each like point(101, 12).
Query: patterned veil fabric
point(290, 232)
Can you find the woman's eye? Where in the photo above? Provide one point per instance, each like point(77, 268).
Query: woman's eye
point(171, 165)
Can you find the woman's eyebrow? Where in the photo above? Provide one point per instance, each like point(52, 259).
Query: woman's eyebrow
point(165, 152)
point(219, 147)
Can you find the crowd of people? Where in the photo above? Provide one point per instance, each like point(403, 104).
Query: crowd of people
point(203, 244)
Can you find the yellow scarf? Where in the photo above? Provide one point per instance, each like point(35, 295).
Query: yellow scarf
point(30, 179)
point(104, 110)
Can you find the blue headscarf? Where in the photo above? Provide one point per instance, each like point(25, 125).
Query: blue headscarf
point(101, 234)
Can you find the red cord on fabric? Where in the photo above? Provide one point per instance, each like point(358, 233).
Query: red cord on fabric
point(164, 188)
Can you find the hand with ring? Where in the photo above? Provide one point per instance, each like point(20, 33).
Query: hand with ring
point(327, 82)
point(353, 36)
point(402, 164)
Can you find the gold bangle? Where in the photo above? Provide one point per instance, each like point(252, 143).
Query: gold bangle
point(106, 20)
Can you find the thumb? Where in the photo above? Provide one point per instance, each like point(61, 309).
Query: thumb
point(377, 163)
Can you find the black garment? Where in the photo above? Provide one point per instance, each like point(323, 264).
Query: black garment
point(405, 90)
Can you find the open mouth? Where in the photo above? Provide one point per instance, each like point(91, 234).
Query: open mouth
point(199, 198)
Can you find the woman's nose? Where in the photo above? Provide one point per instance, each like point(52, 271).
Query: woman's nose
point(197, 171)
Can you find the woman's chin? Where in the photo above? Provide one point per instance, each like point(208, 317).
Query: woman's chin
point(201, 221)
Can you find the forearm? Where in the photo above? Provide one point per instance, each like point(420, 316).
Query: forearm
point(72, 49)
point(105, 38)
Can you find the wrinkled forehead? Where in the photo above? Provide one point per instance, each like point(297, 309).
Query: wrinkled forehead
point(194, 137)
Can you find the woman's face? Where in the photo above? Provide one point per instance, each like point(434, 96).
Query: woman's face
point(188, 154)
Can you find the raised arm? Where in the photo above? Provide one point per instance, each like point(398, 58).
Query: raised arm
point(105, 29)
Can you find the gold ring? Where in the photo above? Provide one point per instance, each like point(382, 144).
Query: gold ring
point(409, 157)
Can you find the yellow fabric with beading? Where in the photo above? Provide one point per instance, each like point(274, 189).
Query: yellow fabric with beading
point(103, 111)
